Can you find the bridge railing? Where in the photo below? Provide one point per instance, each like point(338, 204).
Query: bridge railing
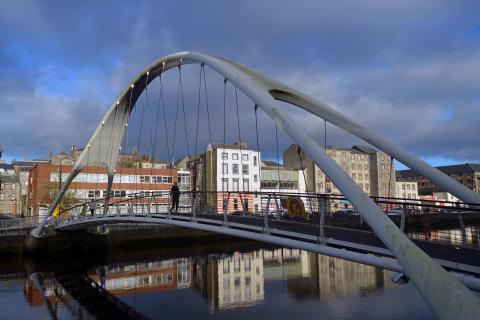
point(456, 224)
point(14, 223)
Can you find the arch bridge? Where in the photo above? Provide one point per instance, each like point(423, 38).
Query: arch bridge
point(435, 284)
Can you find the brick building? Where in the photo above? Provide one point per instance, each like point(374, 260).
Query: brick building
point(91, 184)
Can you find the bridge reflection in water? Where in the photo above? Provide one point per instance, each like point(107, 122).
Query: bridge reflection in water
point(226, 281)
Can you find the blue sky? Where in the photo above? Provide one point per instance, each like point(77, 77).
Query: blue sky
point(409, 70)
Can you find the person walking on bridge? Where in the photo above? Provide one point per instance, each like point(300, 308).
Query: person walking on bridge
point(175, 196)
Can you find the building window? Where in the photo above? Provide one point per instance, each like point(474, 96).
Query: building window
point(94, 193)
point(235, 184)
point(245, 168)
point(235, 204)
point(353, 166)
point(246, 185)
point(235, 168)
point(234, 156)
point(225, 168)
point(2, 196)
point(245, 157)
point(224, 156)
point(255, 178)
point(144, 179)
point(352, 157)
point(359, 167)
point(13, 186)
point(224, 184)
point(366, 176)
point(365, 166)
point(354, 176)
point(383, 167)
point(255, 161)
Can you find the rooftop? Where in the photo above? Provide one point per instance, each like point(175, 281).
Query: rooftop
point(236, 146)
point(9, 179)
point(451, 169)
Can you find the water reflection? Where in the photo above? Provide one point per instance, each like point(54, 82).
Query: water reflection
point(467, 237)
point(227, 282)
point(238, 280)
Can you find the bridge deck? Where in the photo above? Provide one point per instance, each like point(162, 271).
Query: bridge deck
point(450, 257)
point(434, 249)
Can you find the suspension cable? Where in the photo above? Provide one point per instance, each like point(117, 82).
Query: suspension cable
point(325, 134)
point(156, 130)
point(162, 100)
point(111, 132)
point(175, 126)
point(299, 150)
point(390, 177)
point(239, 140)
point(198, 113)
point(126, 128)
point(147, 101)
point(278, 157)
point(206, 102)
point(258, 151)
point(224, 130)
point(183, 108)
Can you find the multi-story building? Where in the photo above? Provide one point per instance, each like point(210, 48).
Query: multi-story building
point(22, 169)
point(90, 184)
point(9, 194)
point(467, 174)
point(275, 178)
point(373, 171)
point(225, 169)
point(406, 190)
point(238, 280)
point(16, 174)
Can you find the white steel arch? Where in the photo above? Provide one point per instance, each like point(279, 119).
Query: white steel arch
point(432, 281)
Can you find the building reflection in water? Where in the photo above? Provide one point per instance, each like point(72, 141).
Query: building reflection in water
point(236, 280)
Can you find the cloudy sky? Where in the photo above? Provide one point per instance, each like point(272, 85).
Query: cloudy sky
point(410, 70)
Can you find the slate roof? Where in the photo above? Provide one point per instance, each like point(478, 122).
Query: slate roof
point(456, 168)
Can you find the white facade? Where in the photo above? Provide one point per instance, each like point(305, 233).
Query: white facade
point(407, 190)
point(238, 170)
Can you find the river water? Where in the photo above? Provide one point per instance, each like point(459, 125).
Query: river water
point(210, 283)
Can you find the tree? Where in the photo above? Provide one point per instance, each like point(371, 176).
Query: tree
point(68, 200)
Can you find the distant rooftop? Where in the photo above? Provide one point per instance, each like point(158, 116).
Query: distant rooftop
point(456, 168)
point(215, 146)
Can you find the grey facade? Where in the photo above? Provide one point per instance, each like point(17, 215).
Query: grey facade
point(373, 171)
point(9, 195)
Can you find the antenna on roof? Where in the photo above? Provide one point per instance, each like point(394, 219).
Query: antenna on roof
point(1, 151)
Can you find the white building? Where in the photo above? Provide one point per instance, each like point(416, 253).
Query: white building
point(227, 169)
point(406, 190)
